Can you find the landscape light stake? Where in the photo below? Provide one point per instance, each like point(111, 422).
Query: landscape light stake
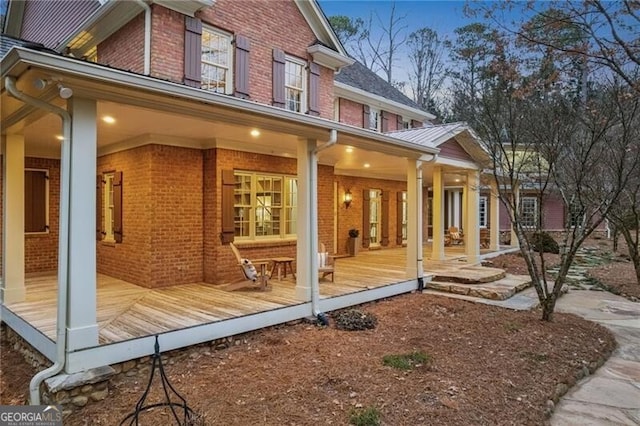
point(140, 407)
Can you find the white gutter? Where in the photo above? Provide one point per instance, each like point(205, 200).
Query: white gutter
point(313, 207)
point(147, 36)
point(63, 239)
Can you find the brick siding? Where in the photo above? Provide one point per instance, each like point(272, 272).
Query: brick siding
point(125, 48)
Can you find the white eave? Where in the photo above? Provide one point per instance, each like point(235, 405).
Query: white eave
point(154, 91)
point(328, 58)
point(186, 7)
point(320, 25)
point(343, 90)
point(13, 20)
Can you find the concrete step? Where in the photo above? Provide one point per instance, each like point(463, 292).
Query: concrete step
point(500, 289)
point(470, 275)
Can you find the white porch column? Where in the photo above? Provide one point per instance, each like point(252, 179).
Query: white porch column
point(414, 219)
point(437, 248)
point(514, 235)
point(463, 225)
point(472, 220)
point(307, 224)
point(82, 328)
point(13, 289)
point(494, 230)
point(457, 211)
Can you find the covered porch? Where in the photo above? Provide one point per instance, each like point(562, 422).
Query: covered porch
point(128, 315)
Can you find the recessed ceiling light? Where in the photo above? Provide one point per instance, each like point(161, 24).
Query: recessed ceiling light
point(458, 180)
point(108, 119)
point(60, 137)
point(367, 165)
point(349, 149)
point(255, 133)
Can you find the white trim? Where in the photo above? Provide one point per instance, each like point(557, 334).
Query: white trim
point(461, 164)
point(13, 19)
point(99, 356)
point(229, 68)
point(320, 25)
point(358, 95)
point(369, 294)
point(147, 89)
point(186, 7)
point(28, 332)
point(304, 89)
point(328, 58)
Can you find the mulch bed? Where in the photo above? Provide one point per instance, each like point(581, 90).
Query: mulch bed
point(488, 366)
point(619, 278)
point(514, 263)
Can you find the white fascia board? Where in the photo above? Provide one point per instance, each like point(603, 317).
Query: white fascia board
point(358, 95)
point(319, 24)
point(457, 163)
point(19, 60)
point(13, 20)
point(328, 58)
point(186, 7)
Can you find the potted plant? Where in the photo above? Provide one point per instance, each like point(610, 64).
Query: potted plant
point(354, 241)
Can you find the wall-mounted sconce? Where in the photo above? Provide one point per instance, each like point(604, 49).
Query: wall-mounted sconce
point(348, 197)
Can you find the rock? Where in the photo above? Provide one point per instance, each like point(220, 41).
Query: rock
point(101, 385)
point(561, 389)
point(75, 391)
point(80, 401)
point(86, 389)
point(131, 373)
point(585, 371)
point(128, 365)
point(99, 395)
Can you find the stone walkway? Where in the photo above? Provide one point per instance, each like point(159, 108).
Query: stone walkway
point(610, 396)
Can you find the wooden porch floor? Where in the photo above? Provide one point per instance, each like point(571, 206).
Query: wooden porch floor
point(126, 311)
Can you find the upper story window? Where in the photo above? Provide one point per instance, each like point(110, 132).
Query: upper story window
point(294, 85)
point(406, 124)
point(374, 119)
point(217, 60)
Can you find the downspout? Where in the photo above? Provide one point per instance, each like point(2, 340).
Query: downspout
point(147, 36)
point(63, 239)
point(315, 290)
point(419, 261)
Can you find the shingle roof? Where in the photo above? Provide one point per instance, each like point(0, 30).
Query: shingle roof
point(7, 42)
point(361, 77)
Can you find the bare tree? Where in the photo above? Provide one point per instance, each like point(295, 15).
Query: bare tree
point(427, 74)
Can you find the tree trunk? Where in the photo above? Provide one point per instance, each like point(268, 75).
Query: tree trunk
point(548, 306)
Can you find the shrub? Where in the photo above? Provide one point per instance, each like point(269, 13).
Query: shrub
point(354, 320)
point(353, 233)
point(369, 416)
point(408, 361)
point(543, 242)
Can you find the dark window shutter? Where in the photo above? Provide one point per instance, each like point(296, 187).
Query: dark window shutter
point(242, 67)
point(366, 218)
point(399, 218)
point(35, 201)
point(385, 121)
point(117, 206)
point(278, 77)
point(365, 116)
point(385, 218)
point(399, 122)
point(192, 51)
point(314, 89)
point(228, 187)
point(99, 221)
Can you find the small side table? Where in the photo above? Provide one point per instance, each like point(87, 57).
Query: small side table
point(278, 262)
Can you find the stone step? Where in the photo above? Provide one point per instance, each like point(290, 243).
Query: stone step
point(500, 289)
point(470, 275)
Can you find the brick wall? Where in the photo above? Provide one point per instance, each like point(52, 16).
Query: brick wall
point(125, 48)
point(220, 264)
point(350, 112)
point(176, 218)
point(352, 217)
point(167, 44)
point(41, 250)
point(130, 260)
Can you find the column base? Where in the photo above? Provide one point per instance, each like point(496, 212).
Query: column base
point(303, 294)
point(82, 337)
point(13, 294)
point(473, 260)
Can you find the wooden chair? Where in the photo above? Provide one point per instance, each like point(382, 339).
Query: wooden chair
point(327, 269)
point(453, 237)
point(259, 280)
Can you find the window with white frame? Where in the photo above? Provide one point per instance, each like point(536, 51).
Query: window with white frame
point(404, 216)
point(217, 59)
point(36, 201)
point(374, 119)
point(482, 211)
point(529, 212)
point(375, 217)
point(294, 84)
point(406, 124)
point(576, 216)
point(108, 206)
point(265, 206)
